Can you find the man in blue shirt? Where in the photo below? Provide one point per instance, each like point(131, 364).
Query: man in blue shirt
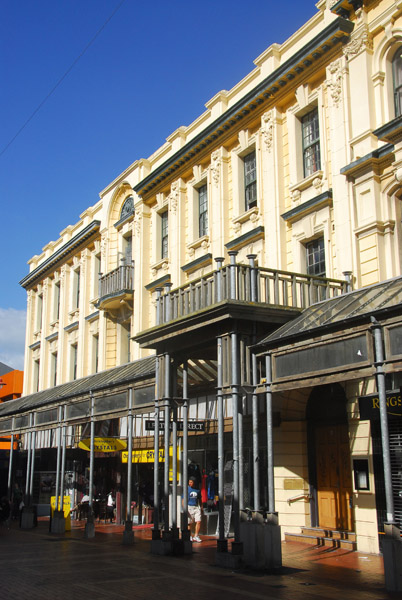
point(194, 509)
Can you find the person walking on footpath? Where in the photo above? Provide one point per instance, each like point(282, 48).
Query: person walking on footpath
point(194, 509)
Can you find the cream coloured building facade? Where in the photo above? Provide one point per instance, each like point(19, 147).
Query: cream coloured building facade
point(294, 174)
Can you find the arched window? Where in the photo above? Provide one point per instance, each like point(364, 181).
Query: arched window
point(128, 208)
point(397, 78)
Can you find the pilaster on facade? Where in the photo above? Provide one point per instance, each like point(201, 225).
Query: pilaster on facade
point(359, 54)
point(338, 112)
point(273, 189)
point(218, 204)
point(176, 230)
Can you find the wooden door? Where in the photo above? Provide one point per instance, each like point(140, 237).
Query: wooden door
point(334, 477)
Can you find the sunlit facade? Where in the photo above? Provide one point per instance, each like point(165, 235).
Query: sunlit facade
point(292, 177)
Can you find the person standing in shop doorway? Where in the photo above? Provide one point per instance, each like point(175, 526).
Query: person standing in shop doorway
point(110, 506)
point(194, 509)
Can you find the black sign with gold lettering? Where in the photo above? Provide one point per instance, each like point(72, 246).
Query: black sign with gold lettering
point(192, 425)
point(369, 406)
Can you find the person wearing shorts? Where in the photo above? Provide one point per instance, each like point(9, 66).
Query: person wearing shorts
point(194, 509)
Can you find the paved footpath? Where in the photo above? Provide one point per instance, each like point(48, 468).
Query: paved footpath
point(37, 565)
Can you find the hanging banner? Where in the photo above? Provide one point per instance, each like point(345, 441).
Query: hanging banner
point(103, 444)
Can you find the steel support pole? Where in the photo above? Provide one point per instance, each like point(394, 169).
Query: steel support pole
point(130, 453)
point(382, 395)
point(174, 458)
point(235, 411)
point(89, 525)
point(128, 535)
point(27, 475)
point(184, 526)
point(256, 452)
point(10, 463)
point(91, 458)
point(222, 542)
point(155, 531)
point(270, 444)
point(58, 461)
point(241, 452)
point(167, 439)
point(63, 460)
point(33, 448)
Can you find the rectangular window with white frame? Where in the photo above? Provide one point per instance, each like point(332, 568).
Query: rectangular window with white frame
point(56, 301)
point(96, 275)
point(36, 372)
point(315, 258)
point(203, 210)
point(76, 289)
point(53, 367)
point(164, 234)
point(397, 81)
point(39, 311)
point(74, 361)
point(250, 180)
point(311, 143)
point(95, 353)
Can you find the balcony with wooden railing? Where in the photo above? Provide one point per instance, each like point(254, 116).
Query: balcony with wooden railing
point(245, 283)
point(256, 289)
point(116, 287)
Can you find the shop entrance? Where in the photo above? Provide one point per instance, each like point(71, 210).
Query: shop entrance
point(329, 459)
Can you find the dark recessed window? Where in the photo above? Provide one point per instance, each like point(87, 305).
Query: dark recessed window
point(164, 234)
point(397, 76)
point(311, 143)
point(202, 210)
point(250, 180)
point(315, 258)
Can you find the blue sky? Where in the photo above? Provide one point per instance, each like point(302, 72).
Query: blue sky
point(150, 69)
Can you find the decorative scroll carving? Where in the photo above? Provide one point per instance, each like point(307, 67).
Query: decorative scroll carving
point(137, 224)
point(255, 215)
point(215, 167)
point(317, 183)
point(334, 81)
point(104, 243)
point(174, 196)
point(295, 196)
point(362, 41)
point(63, 272)
point(267, 129)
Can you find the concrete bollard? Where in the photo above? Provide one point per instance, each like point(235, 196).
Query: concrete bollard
point(261, 542)
point(58, 524)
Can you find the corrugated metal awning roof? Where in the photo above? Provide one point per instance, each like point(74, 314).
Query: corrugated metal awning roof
point(137, 370)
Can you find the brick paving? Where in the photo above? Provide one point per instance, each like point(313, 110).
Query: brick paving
point(38, 565)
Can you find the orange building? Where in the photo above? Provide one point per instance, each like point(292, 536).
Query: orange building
point(10, 388)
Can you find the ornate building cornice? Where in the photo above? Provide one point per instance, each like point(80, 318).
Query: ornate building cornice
point(265, 92)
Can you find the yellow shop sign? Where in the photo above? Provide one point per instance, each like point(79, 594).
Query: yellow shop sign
point(143, 456)
point(103, 444)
